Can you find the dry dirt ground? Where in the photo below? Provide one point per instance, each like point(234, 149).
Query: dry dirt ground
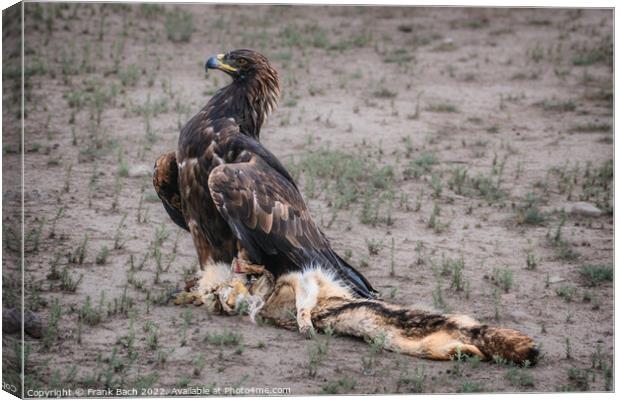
point(440, 149)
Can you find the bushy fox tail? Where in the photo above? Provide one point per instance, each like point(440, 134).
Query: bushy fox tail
point(422, 334)
point(508, 344)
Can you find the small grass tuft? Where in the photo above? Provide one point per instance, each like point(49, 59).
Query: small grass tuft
point(597, 274)
point(179, 26)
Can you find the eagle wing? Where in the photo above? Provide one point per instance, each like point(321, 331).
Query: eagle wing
point(269, 217)
point(166, 184)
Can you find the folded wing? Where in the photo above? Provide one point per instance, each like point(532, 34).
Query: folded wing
point(268, 216)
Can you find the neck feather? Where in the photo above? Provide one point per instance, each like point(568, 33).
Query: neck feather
point(249, 101)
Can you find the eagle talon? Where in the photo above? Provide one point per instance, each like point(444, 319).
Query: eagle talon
point(240, 266)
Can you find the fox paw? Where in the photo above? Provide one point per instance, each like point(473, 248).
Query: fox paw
point(307, 330)
point(183, 297)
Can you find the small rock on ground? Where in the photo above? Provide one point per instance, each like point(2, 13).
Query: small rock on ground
point(12, 322)
point(140, 170)
point(556, 279)
point(585, 209)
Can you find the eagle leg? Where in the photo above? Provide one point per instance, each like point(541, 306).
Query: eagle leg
point(241, 266)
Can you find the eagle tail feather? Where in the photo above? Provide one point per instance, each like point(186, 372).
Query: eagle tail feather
point(358, 282)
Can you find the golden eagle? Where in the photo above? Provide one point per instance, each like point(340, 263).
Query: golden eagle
point(231, 193)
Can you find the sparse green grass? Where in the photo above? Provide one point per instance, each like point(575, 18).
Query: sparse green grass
point(445, 47)
point(146, 381)
point(384, 93)
point(555, 105)
point(536, 53)
point(339, 386)
point(313, 35)
point(485, 187)
point(455, 267)
point(436, 185)
point(458, 179)
point(90, 315)
point(521, 76)
point(590, 127)
point(69, 284)
point(51, 333)
point(33, 238)
point(412, 382)
point(421, 165)
point(317, 351)
point(566, 292)
point(374, 246)
point(119, 243)
point(442, 108)
point(564, 250)
point(434, 221)
point(468, 386)
point(596, 186)
point(438, 300)
point(503, 277)
point(198, 363)
point(529, 213)
point(346, 179)
point(579, 378)
point(398, 56)
point(520, 377)
point(376, 346)
point(588, 57)
point(597, 274)
point(531, 216)
point(129, 75)
point(223, 338)
point(122, 305)
point(531, 261)
point(149, 10)
point(79, 254)
point(179, 26)
point(102, 256)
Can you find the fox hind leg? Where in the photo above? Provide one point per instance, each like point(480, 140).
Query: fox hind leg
point(306, 297)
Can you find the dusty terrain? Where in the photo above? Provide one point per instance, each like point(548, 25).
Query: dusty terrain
point(441, 150)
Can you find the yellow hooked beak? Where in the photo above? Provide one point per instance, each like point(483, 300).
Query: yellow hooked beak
point(217, 62)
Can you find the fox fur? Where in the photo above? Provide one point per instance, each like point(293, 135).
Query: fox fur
point(315, 300)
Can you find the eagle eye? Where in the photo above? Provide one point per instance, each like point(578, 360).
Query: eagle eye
point(242, 61)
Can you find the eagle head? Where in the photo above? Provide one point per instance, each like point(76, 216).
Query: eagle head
point(242, 64)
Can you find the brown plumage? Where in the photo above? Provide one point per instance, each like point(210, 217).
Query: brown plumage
point(166, 183)
point(234, 193)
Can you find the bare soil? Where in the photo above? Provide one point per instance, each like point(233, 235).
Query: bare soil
point(469, 133)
